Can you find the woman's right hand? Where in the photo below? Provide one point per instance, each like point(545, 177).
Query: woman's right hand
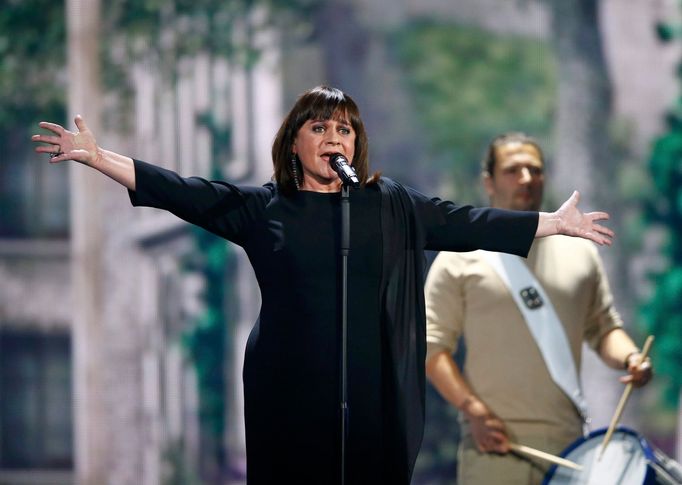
point(66, 145)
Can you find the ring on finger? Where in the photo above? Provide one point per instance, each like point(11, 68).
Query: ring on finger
point(56, 153)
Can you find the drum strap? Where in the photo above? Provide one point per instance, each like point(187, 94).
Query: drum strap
point(543, 323)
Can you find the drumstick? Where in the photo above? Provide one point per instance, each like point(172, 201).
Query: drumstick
point(623, 399)
point(544, 456)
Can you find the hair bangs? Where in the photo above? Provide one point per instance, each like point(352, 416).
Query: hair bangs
point(326, 104)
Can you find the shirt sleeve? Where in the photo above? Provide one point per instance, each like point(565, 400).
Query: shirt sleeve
point(452, 227)
point(219, 207)
point(602, 316)
point(444, 297)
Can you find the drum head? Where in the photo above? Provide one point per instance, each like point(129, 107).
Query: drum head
point(623, 463)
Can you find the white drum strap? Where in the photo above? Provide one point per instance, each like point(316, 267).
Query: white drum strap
point(543, 323)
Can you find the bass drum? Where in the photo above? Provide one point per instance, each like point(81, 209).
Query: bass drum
point(628, 460)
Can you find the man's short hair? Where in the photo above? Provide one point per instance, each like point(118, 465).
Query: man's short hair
point(488, 162)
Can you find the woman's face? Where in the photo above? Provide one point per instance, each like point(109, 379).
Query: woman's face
point(314, 142)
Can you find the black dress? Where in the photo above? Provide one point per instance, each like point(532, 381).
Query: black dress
point(292, 363)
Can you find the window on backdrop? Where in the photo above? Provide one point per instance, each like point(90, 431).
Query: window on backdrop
point(33, 193)
point(36, 424)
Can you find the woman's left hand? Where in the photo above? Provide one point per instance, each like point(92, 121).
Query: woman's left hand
point(568, 220)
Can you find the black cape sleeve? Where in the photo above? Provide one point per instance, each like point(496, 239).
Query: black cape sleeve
point(219, 207)
point(451, 227)
point(410, 223)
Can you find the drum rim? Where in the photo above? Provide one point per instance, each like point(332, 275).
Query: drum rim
point(646, 448)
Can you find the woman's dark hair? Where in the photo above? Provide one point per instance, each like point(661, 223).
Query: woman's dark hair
point(488, 162)
point(319, 103)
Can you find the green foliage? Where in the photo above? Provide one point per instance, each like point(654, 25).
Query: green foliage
point(32, 89)
point(168, 31)
point(160, 33)
point(663, 317)
point(630, 184)
point(32, 63)
point(662, 313)
point(206, 342)
point(666, 32)
point(473, 85)
point(221, 136)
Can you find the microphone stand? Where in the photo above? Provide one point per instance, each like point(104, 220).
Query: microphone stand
point(342, 167)
point(345, 250)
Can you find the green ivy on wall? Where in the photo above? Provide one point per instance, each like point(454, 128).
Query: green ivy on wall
point(206, 342)
point(662, 313)
point(469, 85)
point(161, 33)
point(32, 89)
point(33, 54)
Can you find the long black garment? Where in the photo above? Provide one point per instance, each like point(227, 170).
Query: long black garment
point(291, 368)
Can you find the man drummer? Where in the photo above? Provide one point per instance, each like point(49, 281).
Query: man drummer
point(523, 325)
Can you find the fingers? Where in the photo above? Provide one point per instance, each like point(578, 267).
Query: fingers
point(490, 434)
point(55, 140)
point(51, 149)
point(603, 230)
point(502, 445)
point(639, 375)
point(59, 129)
point(601, 235)
point(493, 442)
point(596, 238)
point(598, 216)
point(80, 123)
point(495, 425)
point(642, 374)
point(605, 241)
point(76, 155)
point(573, 199)
point(645, 366)
point(59, 157)
point(636, 380)
point(640, 382)
point(571, 202)
point(54, 148)
point(55, 143)
point(53, 127)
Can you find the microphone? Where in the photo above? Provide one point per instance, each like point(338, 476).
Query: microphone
point(346, 173)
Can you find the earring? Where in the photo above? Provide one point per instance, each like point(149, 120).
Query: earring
point(294, 170)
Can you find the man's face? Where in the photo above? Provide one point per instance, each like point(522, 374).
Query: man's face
point(518, 178)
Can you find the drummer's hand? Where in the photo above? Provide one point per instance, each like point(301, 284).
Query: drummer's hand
point(639, 372)
point(487, 429)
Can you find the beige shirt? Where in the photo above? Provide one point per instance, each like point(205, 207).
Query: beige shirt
point(503, 365)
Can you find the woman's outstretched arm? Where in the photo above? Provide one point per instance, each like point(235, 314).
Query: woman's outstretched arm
point(568, 220)
point(82, 147)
